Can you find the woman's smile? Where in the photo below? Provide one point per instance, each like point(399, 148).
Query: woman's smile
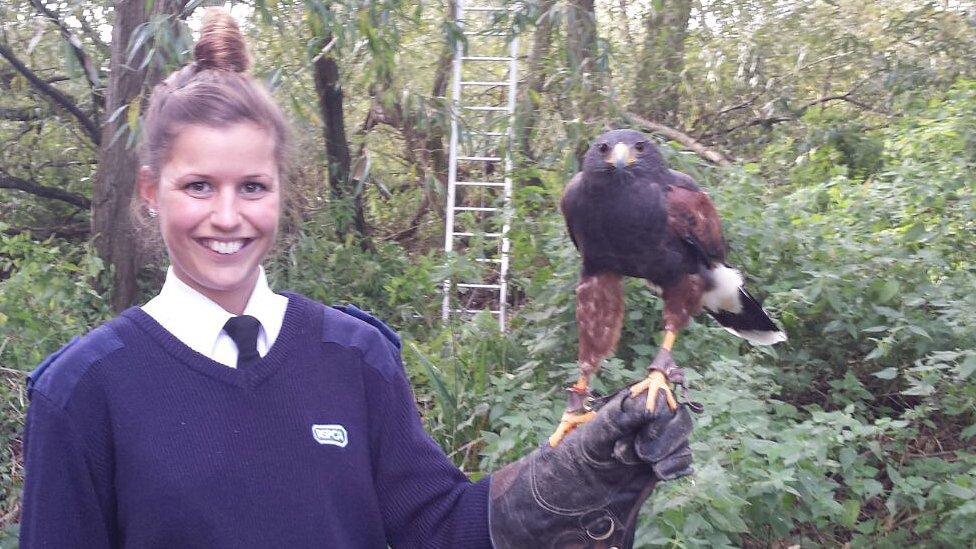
point(224, 247)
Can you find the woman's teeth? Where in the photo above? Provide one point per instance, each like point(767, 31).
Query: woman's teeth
point(222, 247)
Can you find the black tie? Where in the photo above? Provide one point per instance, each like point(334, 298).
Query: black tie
point(244, 331)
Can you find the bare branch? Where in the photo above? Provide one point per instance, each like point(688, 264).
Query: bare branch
point(70, 232)
point(844, 97)
point(54, 193)
point(691, 143)
point(91, 72)
point(23, 114)
point(54, 94)
point(769, 121)
point(90, 31)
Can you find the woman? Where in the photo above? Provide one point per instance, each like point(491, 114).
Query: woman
point(222, 414)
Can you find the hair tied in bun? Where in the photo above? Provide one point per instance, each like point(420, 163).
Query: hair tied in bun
point(221, 45)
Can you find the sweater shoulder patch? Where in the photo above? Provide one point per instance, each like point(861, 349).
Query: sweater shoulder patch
point(58, 374)
point(387, 332)
point(349, 326)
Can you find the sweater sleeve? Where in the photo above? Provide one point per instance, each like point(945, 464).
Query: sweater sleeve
point(424, 499)
point(67, 494)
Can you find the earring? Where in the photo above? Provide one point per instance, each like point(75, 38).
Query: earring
point(152, 213)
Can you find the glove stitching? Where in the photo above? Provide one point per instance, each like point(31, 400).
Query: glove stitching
point(551, 508)
point(595, 462)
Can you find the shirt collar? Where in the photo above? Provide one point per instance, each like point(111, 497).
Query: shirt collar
point(198, 322)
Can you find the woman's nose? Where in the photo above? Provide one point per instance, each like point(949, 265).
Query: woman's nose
point(226, 214)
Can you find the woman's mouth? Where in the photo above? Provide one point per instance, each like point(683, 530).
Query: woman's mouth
point(225, 247)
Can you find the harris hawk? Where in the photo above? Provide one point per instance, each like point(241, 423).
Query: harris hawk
point(628, 214)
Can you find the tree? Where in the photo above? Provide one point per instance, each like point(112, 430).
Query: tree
point(114, 184)
point(662, 62)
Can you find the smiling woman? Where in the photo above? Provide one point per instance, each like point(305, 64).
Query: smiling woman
point(217, 200)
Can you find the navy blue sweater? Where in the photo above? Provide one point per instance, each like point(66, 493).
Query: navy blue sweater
point(133, 439)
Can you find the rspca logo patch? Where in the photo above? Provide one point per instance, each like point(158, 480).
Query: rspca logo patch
point(334, 435)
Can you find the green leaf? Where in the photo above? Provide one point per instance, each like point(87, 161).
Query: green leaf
point(960, 492)
point(887, 373)
point(967, 367)
point(888, 291)
point(132, 114)
point(852, 508)
point(438, 380)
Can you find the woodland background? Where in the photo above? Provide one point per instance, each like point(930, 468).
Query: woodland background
point(838, 139)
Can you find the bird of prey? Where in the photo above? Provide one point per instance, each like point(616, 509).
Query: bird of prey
point(629, 215)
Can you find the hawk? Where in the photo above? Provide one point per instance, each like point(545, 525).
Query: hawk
point(628, 214)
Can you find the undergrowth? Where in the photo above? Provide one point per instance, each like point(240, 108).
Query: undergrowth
point(858, 430)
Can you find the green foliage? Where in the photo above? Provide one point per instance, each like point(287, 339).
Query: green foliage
point(859, 429)
point(46, 298)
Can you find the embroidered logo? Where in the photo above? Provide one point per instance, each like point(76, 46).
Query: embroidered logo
point(330, 434)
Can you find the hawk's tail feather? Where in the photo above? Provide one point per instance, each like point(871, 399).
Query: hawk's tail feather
point(749, 321)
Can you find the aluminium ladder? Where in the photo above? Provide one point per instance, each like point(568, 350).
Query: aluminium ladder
point(479, 194)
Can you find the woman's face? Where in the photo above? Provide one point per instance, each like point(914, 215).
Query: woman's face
point(217, 200)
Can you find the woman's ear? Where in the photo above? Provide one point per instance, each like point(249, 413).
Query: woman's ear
point(147, 187)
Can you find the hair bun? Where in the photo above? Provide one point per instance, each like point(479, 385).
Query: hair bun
point(221, 45)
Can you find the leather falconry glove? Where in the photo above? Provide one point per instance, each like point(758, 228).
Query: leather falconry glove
point(587, 491)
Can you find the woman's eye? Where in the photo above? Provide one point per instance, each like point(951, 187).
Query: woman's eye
point(252, 187)
point(639, 147)
point(197, 187)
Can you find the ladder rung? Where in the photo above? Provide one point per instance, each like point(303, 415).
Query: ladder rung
point(475, 209)
point(485, 286)
point(486, 8)
point(483, 33)
point(485, 58)
point(487, 260)
point(483, 83)
point(486, 108)
point(490, 235)
point(479, 183)
point(475, 311)
point(485, 158)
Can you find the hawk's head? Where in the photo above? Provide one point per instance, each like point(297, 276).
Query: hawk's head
point(623, 152)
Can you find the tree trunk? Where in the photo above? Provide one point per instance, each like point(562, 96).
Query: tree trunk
point(115, 181)
point(659, 76)
point(584, 102)
point(581, 36)
point(536, 75)
point(328, 88)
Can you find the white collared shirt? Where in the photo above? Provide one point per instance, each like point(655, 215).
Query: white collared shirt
point(199, 322)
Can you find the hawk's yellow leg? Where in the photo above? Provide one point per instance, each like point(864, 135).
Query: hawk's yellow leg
point(656, 379)
point(571, 420)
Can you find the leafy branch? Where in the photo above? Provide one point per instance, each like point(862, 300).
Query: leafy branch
point(91, 71)
point(10, 182)
point(53, 94)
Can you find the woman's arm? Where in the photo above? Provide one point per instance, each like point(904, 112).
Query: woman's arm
point(424, 499)
point(68, 495)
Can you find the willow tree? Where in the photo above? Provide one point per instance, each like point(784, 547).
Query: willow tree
point(139, 28)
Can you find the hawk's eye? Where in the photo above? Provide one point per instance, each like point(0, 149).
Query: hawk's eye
point(639, 147)
point(603, 147)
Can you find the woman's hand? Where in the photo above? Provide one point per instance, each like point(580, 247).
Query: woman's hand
point(587, 491)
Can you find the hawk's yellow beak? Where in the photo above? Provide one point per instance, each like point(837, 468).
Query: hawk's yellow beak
point(621, 157)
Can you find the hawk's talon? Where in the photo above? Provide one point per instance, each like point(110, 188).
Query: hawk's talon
point(579, 399)
point(651, 384)
point(665, 364)
point(567, 423)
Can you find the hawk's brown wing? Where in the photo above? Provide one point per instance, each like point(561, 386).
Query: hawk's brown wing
point(570, 202)
point(693, 218)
